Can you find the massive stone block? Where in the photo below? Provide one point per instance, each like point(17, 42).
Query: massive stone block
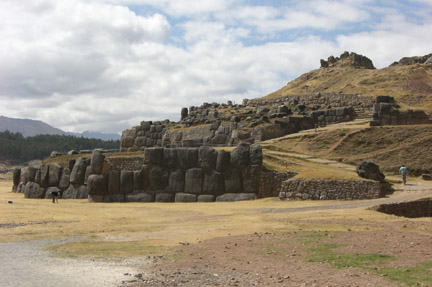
point(251, 179)
point(138, 180)
point(71, 163)
point(194, 181)
point(223, 160)
point(78, 171)
point(240, 155)
point(126, 181)
point(153, 156)
point(206, 198)
point(54, 174)
point(114, 182)
point(185, 197)
point(114, 198)
point(233, 180)
point(236, 197)
point(33, 190)
point(159, 178)
point(97, 162)
point(213, 183)
point(255, 154)
point(16, 176)
point(188, 157)
point(140, 197)
point(164, 197)
point(97, 184)
point(176, 181)
point(64, 179)
point(207, 157)
point(33, 167)
point(170, 158)
point(44, 175)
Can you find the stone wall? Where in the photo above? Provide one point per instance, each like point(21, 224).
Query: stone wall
point(162, 174)
point(271, 182)
point(413, 209)
point(389, 114)
point(302, 189)
point(147, 134)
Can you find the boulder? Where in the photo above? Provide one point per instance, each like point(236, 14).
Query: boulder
point(71, 163)
point(44, 175)
point(426, 176)
point(207, 157)
point(114, 197)
point(64, 179)
point(240, 155)
point(158, 178)
point(185, 197)
point(87, 173)
point(223, 160)
point(188, 157)
point(37, 178)
point(54, 174)
point(233, 180)
point(194, 181)
point(50, 190)
point(164, 197)
point(153, 156)
point(33, 190)
point(213, 183)
point(170, 158)
point(236, 197)
point(206, 198)
point(97, 184)
point(370, 170)
point(140, 197)
point(97, 162)
point(255, 154)
point(75, 192)
point(114, 182)
point(138, 180)
point(78, 172)
point(33, 167)
point(16, 176)
point(126, 182)
point(176, 181)
point(72, 152)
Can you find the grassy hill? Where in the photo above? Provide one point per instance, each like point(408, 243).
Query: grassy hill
point(410, 85)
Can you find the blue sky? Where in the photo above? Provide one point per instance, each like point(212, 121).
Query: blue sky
point(107, 65)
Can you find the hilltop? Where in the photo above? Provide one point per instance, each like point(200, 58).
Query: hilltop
point(409, 80)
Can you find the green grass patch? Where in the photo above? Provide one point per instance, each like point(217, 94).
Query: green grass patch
point(418, 275)
point(325, 253)
point(102, 249)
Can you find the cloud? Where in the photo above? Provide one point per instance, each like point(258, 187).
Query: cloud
point(108, 64)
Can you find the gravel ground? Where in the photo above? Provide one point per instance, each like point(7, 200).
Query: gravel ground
point(26, 264)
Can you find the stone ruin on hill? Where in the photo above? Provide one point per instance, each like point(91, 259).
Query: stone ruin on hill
point(351, 59)
point(161, 174)
point(252, 121)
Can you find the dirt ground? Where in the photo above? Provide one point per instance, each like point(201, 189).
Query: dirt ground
point(260, 243)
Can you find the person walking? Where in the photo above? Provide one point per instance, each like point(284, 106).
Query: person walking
point(403, 171)
point(55, 195)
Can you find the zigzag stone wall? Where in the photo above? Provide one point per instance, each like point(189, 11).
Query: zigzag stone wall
point(162, 174)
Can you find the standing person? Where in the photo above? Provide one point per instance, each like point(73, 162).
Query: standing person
point(404, 171)
point(55, 195)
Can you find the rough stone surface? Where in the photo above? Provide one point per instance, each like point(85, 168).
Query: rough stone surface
point(54, 174)
point(236, 197)
point(140, 197)
point(64, 179)
point(97, 184)
point(185, 197)
point(206, 198)
point(97, 161)
point(240, 155)
point(114, 182)
point(164, 197)
point(370, 170)
point(33, 190)
point(126, 182)
point(194, 181)
point(213, 183)
point(78, 171)
point(207, 157)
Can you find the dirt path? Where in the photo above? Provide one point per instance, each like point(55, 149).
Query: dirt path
point(27, 264)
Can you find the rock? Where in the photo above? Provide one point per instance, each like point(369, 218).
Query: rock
point(71, 163)
point(255, 154)
point(114, 182)
point(213, 183)
point(140, 197)
point(184, 113)
point(16, 176)
point(176, 181)
point(138, 180)
point(33, 190)
point(164, 197)
point(251, 179)
point(50, 190)
point(158, 178)
point(188, 157)
point(55, 171)
point(97, 184)
point(194, 181)
point(44, 175)
point(370, 170)
point(153, 155)
point(223, 160)
point(72, 152)
point(206, 198)
point(426, 176)
point(33, 167)
point(233, 180)
point(87, 173)
point(64, 179)
point(75, 192)
point(97, 162)
point(324, 63)
point(170, 158)
point(240, 155)
point(185, 197)
point(207, 157)
point(95, 198)
point(78, 172)
point(114, 197)
point(236, 197)
point(126, 181)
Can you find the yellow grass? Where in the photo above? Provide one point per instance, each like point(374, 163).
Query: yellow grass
point(137, 229)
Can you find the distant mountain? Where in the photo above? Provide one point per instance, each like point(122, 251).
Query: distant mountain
point(28, 128)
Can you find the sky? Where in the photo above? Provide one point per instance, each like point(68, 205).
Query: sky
point(107, 65)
